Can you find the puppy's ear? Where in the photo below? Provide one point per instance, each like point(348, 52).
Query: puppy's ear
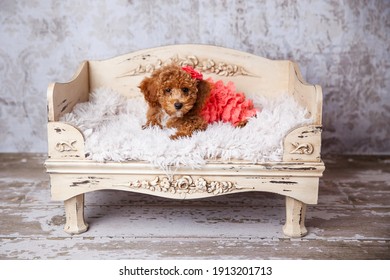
point(149, 89)
point(204, 88)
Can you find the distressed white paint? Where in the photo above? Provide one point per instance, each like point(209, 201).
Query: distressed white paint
point(72, 174)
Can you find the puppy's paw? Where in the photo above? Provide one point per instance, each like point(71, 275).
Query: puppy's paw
point(151, 124)
point(174, 137)
point(179, 135)
point(241, 124)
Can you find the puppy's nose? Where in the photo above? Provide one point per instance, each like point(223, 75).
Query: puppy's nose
point(178, 105)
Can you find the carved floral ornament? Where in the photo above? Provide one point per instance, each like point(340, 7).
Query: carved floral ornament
point(204, 65)
point(184, 185)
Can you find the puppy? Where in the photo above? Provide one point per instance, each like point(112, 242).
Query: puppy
point(179, 92)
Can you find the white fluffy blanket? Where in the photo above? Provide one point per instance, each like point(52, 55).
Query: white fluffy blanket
point(112, 126)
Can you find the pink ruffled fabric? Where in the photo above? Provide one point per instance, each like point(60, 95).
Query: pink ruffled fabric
point(227, 105)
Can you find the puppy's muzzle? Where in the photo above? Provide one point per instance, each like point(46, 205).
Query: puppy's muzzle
point(178, 105)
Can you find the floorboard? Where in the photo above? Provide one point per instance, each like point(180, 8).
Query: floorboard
point(351, 220)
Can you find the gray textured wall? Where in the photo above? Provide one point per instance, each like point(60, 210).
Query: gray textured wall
point(341, 45)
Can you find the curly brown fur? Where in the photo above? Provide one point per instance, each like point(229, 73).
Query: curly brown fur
point(170, 89)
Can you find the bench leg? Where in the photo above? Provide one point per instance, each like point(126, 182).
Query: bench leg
point(295, 218)
point(74, 211)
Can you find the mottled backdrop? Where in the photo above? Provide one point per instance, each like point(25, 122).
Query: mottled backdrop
point(341, 45)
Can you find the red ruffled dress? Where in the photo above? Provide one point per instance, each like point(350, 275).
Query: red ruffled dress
point(227, 105)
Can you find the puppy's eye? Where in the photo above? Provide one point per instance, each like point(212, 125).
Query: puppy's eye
point(167, 90)
point(185, 90)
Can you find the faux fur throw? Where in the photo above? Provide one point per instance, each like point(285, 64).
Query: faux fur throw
point(112, 127)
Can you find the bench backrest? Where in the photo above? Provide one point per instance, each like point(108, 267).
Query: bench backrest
point(250, 73)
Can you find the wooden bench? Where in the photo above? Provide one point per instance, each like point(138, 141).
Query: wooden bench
point(296, 177)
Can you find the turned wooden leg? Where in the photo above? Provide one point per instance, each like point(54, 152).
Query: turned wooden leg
point(295, 218)
point(74, 211)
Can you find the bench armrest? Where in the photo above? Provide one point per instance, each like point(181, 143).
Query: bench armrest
point(303, 144)
point(62, 97)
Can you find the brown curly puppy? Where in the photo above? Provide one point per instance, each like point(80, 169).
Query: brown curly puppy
point(179, 92)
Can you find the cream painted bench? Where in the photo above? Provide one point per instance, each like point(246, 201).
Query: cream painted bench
point(296, 177)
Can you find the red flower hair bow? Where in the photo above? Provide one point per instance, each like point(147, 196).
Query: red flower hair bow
point(194, 74)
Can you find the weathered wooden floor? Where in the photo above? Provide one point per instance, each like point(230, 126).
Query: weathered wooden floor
point(351, 221)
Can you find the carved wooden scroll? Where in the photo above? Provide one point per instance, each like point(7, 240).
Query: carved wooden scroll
point(66, 146)
point(64, 141)
point(303, 144)
point(302, 149)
